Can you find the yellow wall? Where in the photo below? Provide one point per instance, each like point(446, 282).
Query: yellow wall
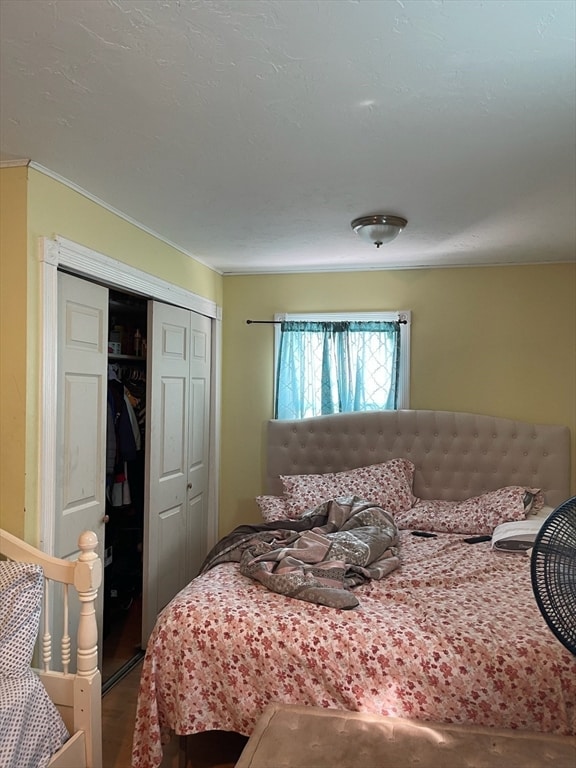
point(13, 282)
point(496, 340)
point(55, 209)
point(47, 208)
point(493, 340)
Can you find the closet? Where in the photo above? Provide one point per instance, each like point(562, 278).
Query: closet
point(145, 366)
point(125, 481)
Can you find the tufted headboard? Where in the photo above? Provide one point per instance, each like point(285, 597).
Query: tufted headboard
point(456, 455)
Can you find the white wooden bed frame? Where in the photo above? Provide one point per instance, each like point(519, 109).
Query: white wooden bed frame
point(76, 695)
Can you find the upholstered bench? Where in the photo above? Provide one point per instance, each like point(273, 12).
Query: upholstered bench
point(308, 737)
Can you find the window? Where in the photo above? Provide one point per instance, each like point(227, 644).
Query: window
point(331, 363)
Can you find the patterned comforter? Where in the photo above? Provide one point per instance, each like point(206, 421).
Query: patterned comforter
point(31, 729)
point(453, 635)
point(339, 545)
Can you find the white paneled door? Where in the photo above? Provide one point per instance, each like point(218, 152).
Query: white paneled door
point(80, 502)
point(82, 384)
point(177, 450)
point(198, 443)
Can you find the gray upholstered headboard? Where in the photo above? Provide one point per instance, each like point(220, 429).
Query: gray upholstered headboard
point(456, 455)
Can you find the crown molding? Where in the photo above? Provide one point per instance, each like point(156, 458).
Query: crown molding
point(116, 212)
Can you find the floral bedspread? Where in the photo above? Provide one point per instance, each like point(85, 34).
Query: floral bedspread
point(454, 635)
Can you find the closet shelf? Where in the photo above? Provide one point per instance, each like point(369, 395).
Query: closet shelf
point(132, 358)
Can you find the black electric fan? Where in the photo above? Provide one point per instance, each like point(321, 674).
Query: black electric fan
point(553, 572)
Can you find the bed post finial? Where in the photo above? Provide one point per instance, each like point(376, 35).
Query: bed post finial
point(87, 543)
point(87, 579)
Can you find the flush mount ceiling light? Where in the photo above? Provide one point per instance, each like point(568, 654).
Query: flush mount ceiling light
point(379, 229)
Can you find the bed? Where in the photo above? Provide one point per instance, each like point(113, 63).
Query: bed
point(452, 635)
point(48, 717)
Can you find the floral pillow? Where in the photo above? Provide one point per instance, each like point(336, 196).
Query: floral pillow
point(389, 485)
point(273, 508)
point(478, 515)
point(21, 588)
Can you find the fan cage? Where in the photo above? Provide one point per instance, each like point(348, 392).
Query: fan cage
point(553, 572)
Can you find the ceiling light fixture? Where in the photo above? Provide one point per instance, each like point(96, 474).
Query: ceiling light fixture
point(379, 229)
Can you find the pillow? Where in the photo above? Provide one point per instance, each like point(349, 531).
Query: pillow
point(478, 515)
point(21, 587)
point(389, 485)
point(534, 501)
point(272, 508)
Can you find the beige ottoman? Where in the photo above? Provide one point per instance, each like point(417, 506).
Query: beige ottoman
point(307, 737)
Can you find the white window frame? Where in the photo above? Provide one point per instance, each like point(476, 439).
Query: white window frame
point(402, 316)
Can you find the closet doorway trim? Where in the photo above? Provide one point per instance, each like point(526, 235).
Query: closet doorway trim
point(84, 262)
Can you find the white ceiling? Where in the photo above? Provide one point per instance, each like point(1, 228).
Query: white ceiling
point(250, 133)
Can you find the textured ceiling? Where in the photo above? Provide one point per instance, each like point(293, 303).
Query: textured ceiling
point(250, 134)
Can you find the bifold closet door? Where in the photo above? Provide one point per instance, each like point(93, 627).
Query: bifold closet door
point(178, 393)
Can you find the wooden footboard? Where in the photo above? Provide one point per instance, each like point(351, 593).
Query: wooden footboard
point(76, 695)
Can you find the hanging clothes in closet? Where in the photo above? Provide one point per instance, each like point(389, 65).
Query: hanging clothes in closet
point(134, 379)
point(124, 441)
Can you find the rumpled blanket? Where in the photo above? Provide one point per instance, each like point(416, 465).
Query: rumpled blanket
point(338, 545)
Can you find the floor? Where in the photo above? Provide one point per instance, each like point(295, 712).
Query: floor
point(122, 630)
point(215, 749)
point(122, 642)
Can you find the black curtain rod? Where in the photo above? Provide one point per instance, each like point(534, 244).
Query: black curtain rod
point(279, 322)
point(264, 322)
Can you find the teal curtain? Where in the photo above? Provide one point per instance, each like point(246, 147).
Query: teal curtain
point(333, 367)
